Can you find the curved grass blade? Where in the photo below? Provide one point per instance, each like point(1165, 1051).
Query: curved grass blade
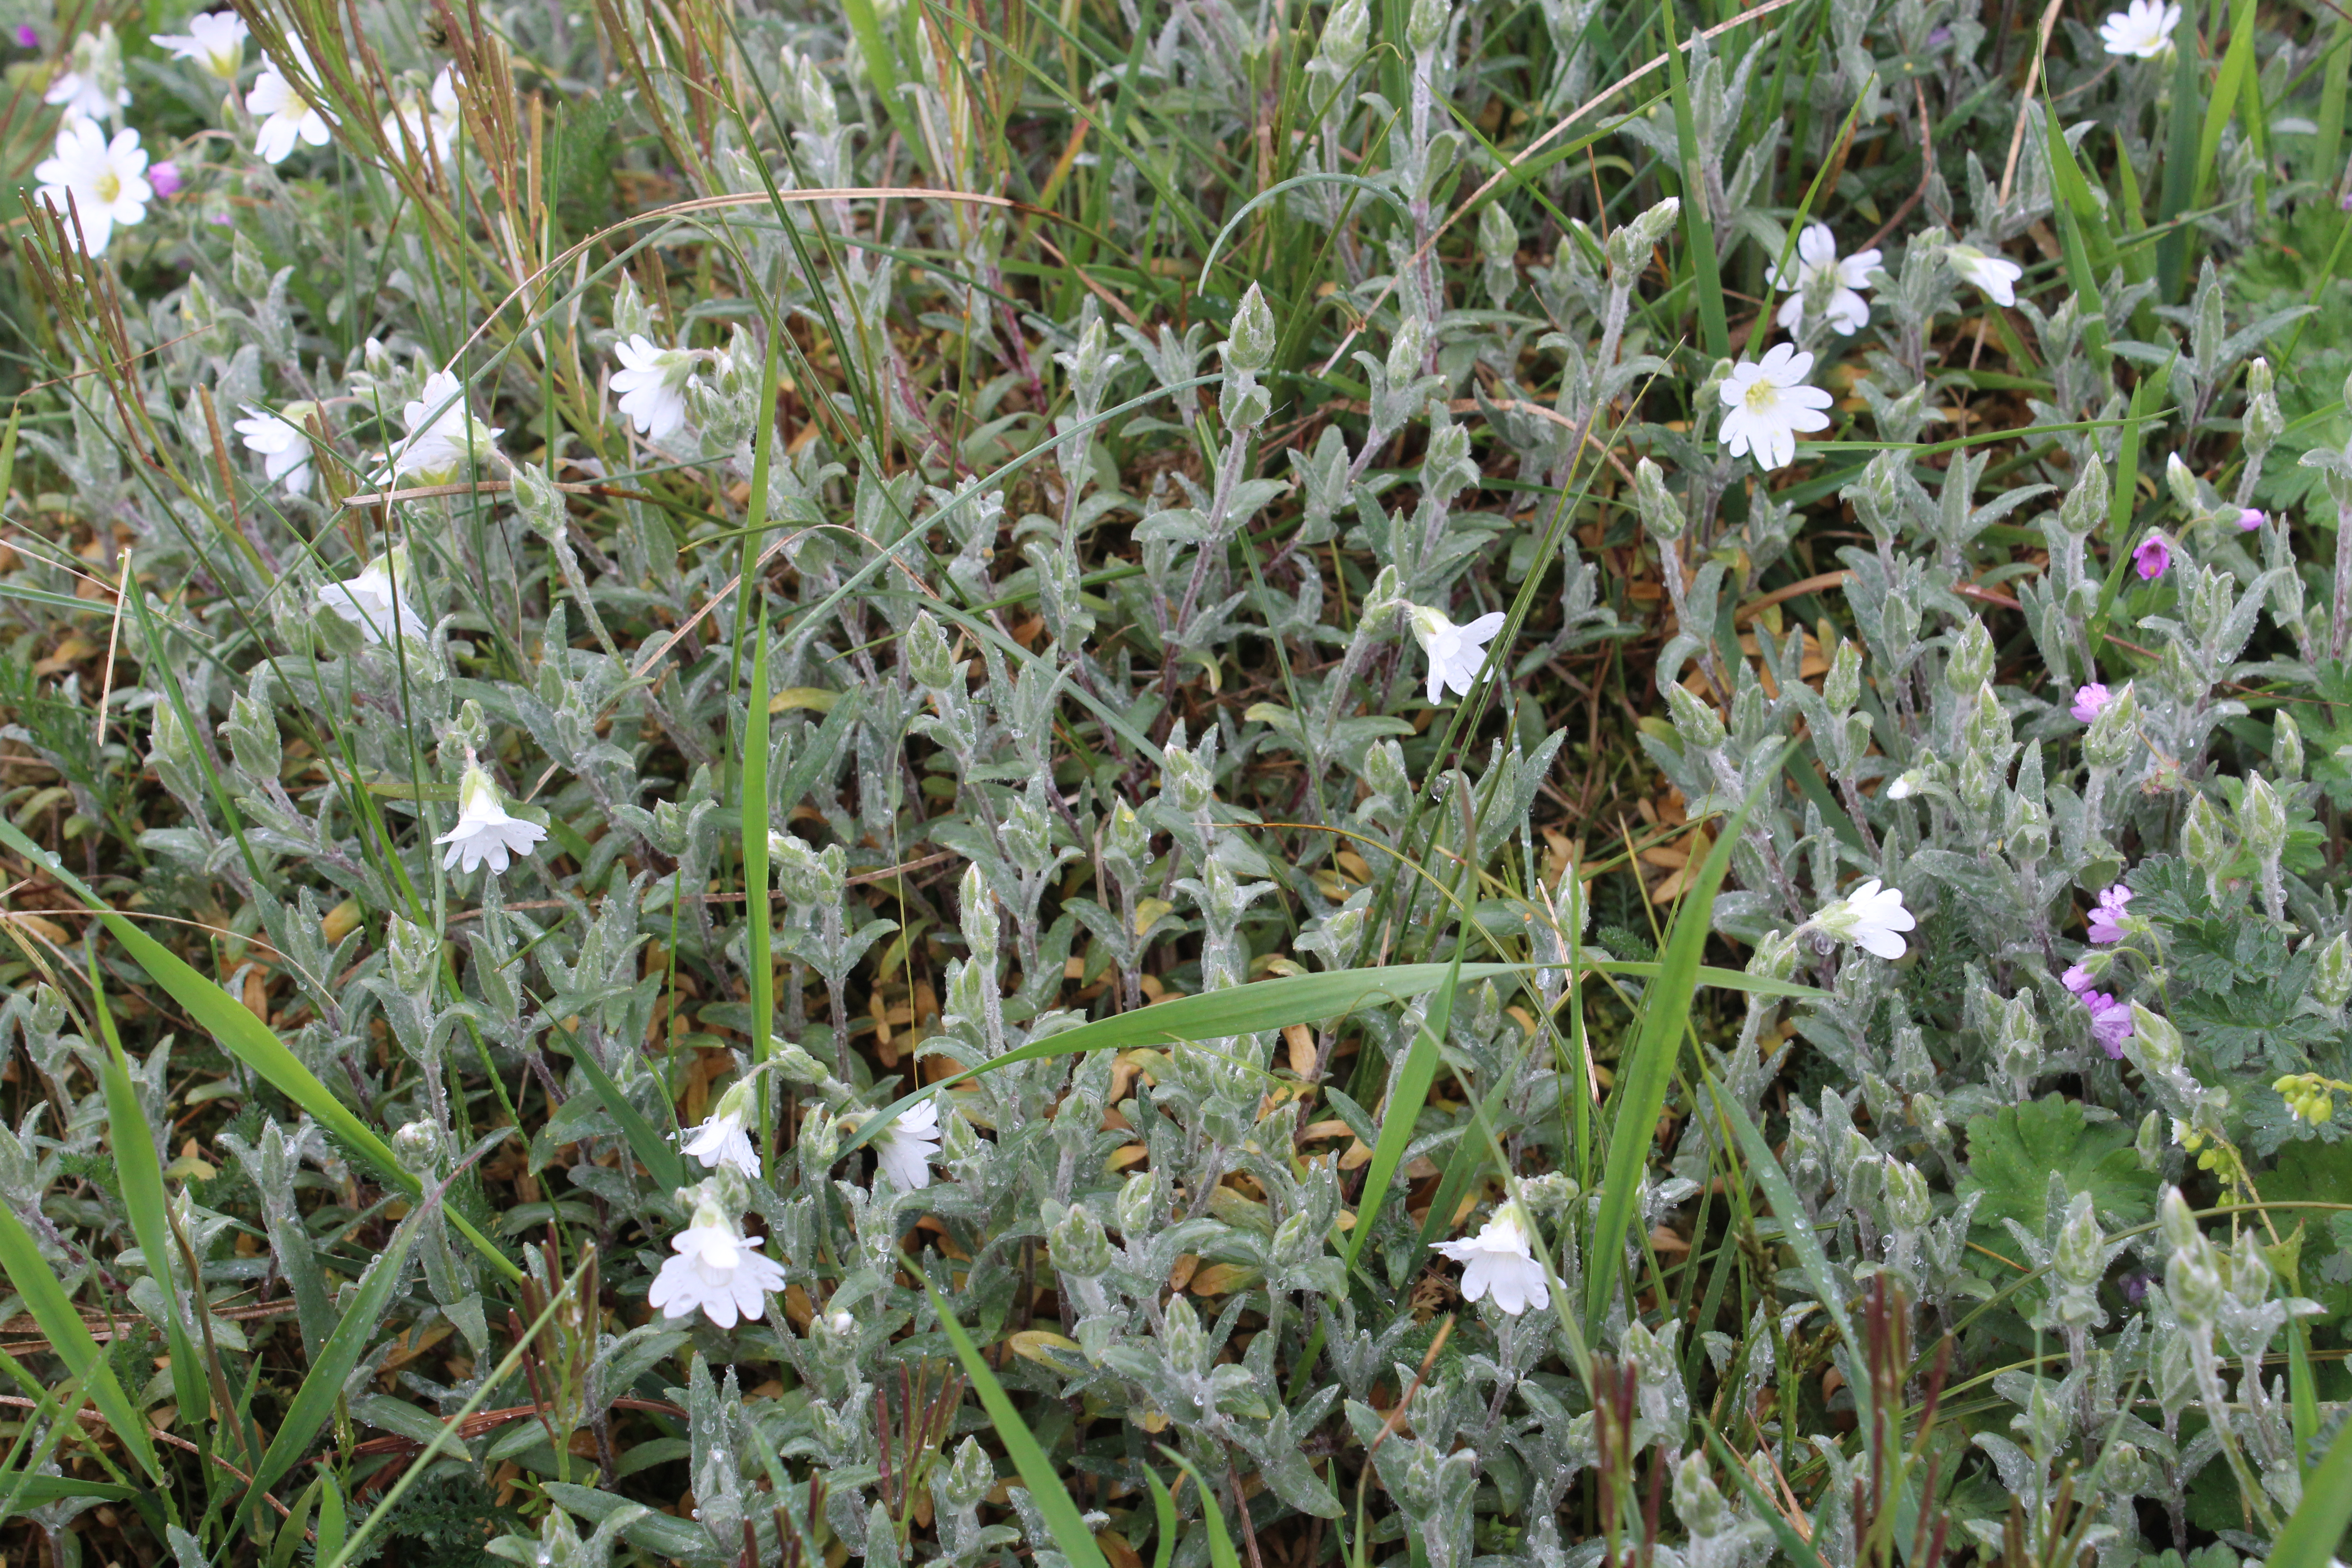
point(70, 1338)
point(2313, 1532)
point(1071, 1536)
point(314, 1402)
point(1164, 1508)
point(249, 1039)
point(142, 1175)
point(1794, 1231)
point(1650, 1071)
point(1220, 1540)
point(656, 1152)
point(1402, 1112)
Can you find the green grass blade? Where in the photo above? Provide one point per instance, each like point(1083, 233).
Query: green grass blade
point(2236, 61)
point(1403, 1109)
point(1220, 1540)
point(2312, 1533)
point(656, 1152)
point(1071, 1536)
point(1698, 225)
point(142, 1175)
point(2180, 163)
point(314, 1400)
point(247, 1038)
point(754, 817)
point(1799, 1549)
point(34, 1490)
point(1795, 1234)
point(1163, 1509)
point(1650, 1071)
point(70, 1338)
point(331, 1526)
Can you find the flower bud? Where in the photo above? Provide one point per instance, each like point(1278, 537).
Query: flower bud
point(2331, 977)
point(2287, 747)
point(2084, 507)
point(2261, 819)
point(2205, 838)
point(1078, 1245)
point(1425, 26)
point(1662, 514)
point(1972, 662)
point(1694, 721)
point(1138, 1210)
point(2158, 1041)
point(1250, 349)
point(2181, 483)
point(2112, 734)
point(1841, 688)
point(1908, 1203)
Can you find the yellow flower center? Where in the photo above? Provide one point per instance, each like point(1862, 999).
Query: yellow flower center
point(110, 188)
point(1761, 396)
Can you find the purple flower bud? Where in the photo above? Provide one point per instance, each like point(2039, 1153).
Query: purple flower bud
point(2345, 202)
point(2107, 914)
point(165, 178)
point(2076, 979)
point(2089, 701)
point(2153, 559)
point(28, 37)
point(1938, 37)
point(2111, 1022)
point(2250, 519)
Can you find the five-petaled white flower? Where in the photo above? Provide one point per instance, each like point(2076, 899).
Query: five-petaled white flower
point(717, 1269)
point(2142, 29)
point(1500, 1261)
point(441, 431)
point(653, 383)
point(287, 117)
point(1871, 917)
point(371, 601)
point(1456, 653)
point(1995, 277)
point(904, 1149)
point(281, 443)
point(1770, 403)
point(413, 124)
point(1847, 310)
point(720, 1140)
point(91, 86)
point(214, 40)
point(484, 830)
point(106, 181)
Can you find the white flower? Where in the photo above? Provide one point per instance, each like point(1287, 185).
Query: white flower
point(484, 830)
point(214, 40)
point(287, 117)
point(1456, 653)
point(905, 1149)
point(281, 443)
point(717, 1269)
point(441, 431)
point(1499, 1261)
point(408, 128)
point(107, 181)
point(2142, 29)
point(1905, 787)
point(91, 88)
point(653, 385)
point(371, 601)
point(1770, 403)
point(1871, 917)
point(1847, 310)
point(1995, 276)
point(720, 1140)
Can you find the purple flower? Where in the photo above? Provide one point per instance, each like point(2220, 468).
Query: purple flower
point(2153, 558)
point(2107, 914)
point(2076, 979)
point(28, 37)
point(2089, 701)
point(2249, 520)
point(2111, 1022)
point(165, 178)
point(1938, 37)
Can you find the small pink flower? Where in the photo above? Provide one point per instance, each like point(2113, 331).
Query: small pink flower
point(2111, 1022)
point(2089, 701)
point(2250, 519)
point(2108, 915)
point(165, 178)
point(2076, 979)
point(28, 37)
point(2153, 558)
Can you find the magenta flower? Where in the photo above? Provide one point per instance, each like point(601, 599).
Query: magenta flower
point(2153, 559)
point(2111, 1022)
point(165, 178)
point(2250, 519)
point(2089, 701)
point(2108, 915)
point(28, 37)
